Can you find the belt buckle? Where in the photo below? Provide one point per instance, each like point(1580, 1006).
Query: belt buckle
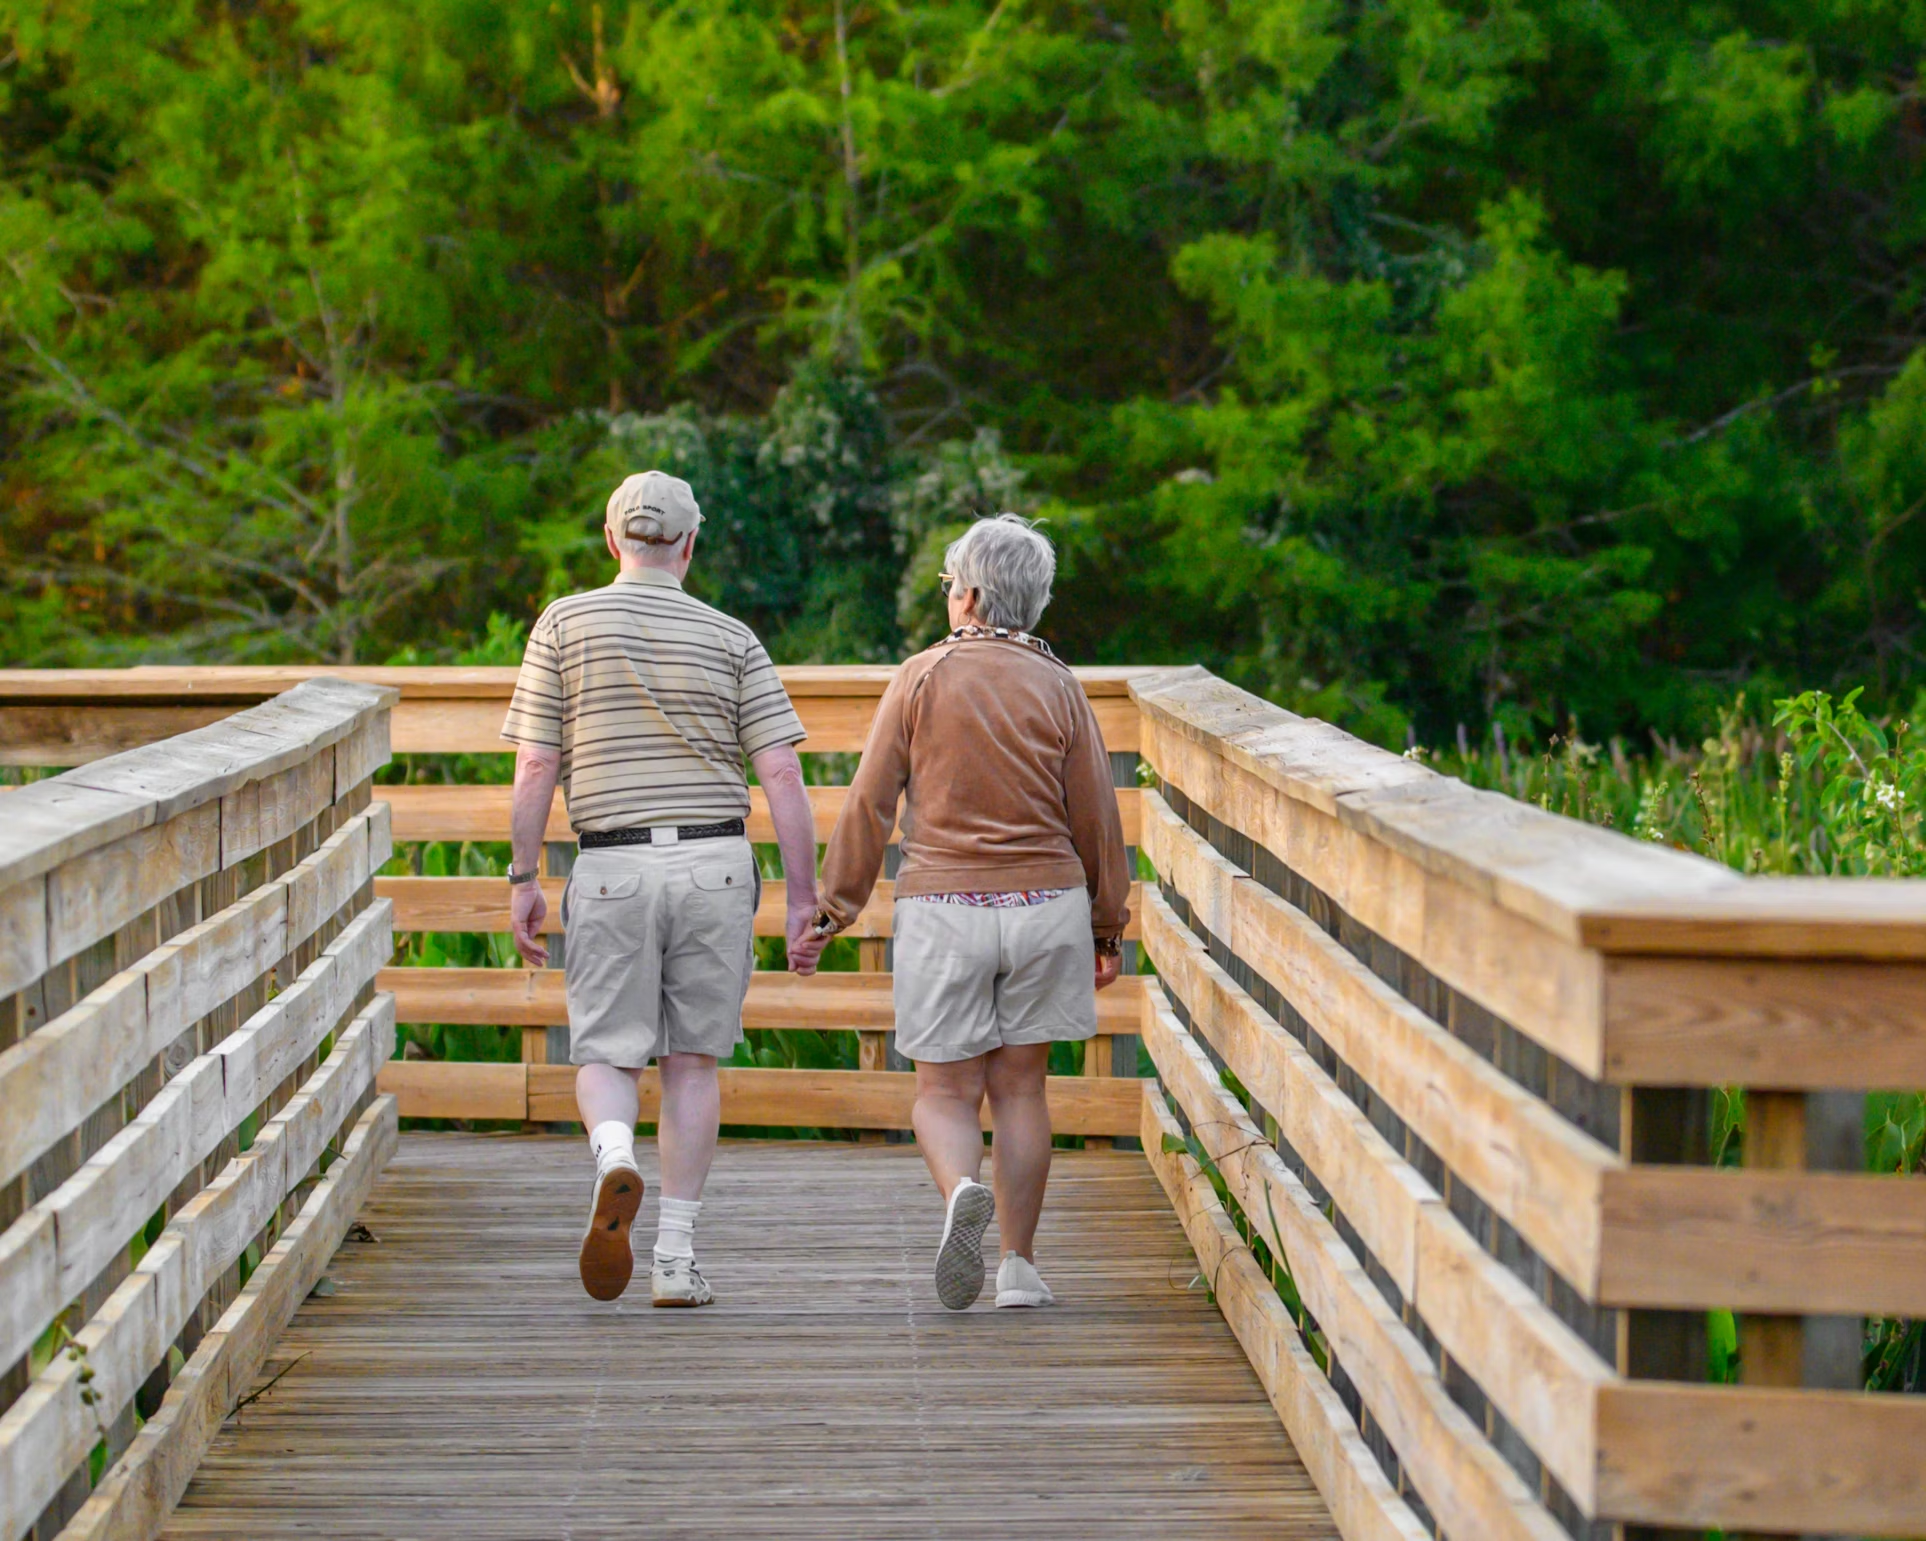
point(664, 834)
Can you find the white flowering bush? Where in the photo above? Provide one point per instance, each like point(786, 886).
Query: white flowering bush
point(1872, 780)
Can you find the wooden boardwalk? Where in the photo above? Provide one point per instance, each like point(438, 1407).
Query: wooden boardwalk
point(457, 1383)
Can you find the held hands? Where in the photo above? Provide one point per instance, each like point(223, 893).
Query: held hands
point(528, 907)
point(805, 946)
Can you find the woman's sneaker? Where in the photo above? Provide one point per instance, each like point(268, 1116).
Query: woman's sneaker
point(959, 1261)
point(676, 1281)
point(606, 1259)
point(1019, 1284)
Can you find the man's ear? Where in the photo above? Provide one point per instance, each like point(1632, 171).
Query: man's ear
point(608, 539)
point(688, 547)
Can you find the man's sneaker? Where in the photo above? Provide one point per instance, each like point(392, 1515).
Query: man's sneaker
point(676, 1281)
point(959, 1261)
point(1019, 1284)
point(606, 1259)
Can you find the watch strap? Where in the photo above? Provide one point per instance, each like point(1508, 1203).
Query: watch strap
point(515, 877)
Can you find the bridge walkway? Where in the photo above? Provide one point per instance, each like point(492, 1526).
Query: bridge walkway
point(450, 1379)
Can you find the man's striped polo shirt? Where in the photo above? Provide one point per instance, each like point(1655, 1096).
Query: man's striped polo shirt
point(653, 698)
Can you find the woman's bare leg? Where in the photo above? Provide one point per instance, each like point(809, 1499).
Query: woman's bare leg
point(1020, 1148)
point(949, 1131)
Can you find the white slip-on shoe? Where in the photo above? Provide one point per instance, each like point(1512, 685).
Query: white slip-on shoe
point(676, 1281)
point(959, 1261)
point(606, 1260)
point(1019, 1284)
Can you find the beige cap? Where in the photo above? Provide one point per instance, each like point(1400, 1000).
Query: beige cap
point(653, 506)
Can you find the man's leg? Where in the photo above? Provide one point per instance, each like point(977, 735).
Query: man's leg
point(686, 1143)
point(691, 1114)
point(1020, 1149)
point(606, 1096)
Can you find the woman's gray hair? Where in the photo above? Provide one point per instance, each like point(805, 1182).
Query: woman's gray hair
point(1010, 563)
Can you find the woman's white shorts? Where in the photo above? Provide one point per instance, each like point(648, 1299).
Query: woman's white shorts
point(969, 979)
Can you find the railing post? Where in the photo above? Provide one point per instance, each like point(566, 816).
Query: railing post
point(1800, 1131)
point(1118, 1055)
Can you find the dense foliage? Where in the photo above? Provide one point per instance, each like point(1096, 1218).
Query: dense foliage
point(1426, 361)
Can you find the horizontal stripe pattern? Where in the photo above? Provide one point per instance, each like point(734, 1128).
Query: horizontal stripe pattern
point(654, 700)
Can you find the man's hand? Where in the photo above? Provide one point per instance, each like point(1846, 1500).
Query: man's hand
point(1109, 966)
point(805, 947)
point(529, 907)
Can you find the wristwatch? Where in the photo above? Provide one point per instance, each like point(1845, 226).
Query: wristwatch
point(1109, 946)
point(515, 877)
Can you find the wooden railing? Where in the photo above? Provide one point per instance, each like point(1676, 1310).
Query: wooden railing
point(57, 717)
point(1433, 1077)
point(1447, 1059)
point(189, 1038)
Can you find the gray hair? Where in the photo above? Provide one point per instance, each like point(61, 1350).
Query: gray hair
point(1010, 563)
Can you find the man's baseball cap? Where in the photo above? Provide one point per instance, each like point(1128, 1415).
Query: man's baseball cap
point(653, 506)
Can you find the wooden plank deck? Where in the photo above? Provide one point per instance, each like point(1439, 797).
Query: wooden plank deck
point(459, 1384)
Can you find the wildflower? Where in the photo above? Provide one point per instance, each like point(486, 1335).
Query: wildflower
point(1886, 795)
point(1417, 752)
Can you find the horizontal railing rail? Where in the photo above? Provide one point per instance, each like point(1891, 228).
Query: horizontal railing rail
point(51, 714)
point(190, 1034)
point(70, 716)
point(1445, 1059)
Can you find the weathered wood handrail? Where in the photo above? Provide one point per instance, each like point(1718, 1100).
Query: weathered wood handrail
point(70, 716)
point(1465, 1036)
point(188, 1022)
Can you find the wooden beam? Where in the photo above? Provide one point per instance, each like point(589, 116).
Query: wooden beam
point(1534, 1369)
point(430, 812)
point(514, 997)
point(139, 1491)
point(1833, 1462)
point(1805, 1024)
point(831, 1099)
point(71, 716)
point(1540, 1173)
point(1808, 1243)
point(1363, 1504)
point(481, 904)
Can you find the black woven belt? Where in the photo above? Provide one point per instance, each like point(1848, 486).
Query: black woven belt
point(593, 838)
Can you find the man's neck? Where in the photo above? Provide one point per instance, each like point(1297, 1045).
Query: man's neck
point(635, 567)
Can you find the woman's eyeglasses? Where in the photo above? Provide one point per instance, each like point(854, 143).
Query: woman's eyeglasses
point(947, 582)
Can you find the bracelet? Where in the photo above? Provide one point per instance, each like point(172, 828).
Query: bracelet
point(1109, 946)
point(515, 877)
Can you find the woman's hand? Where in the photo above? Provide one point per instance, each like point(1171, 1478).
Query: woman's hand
point(1109, 966)
point(528, 908)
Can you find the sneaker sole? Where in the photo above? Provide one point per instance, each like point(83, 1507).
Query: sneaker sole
point(960, 1269)
point(607, 1262)
point(1006, 1299)
point(682, 1305)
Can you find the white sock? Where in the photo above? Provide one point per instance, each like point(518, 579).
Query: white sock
point(612, 1139)
point(675, 1229)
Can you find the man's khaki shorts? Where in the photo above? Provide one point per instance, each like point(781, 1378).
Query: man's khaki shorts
point(970, 980)
point(659, 944)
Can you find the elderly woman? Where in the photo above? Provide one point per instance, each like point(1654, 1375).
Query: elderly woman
point(1010, 903)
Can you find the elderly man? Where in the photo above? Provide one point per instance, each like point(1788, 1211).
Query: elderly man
point(644, 702)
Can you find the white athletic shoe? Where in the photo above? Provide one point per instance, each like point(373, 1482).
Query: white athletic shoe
point(676, 1281)
point(1019, 1284)
point(959, 1261)
point(606, 1260)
